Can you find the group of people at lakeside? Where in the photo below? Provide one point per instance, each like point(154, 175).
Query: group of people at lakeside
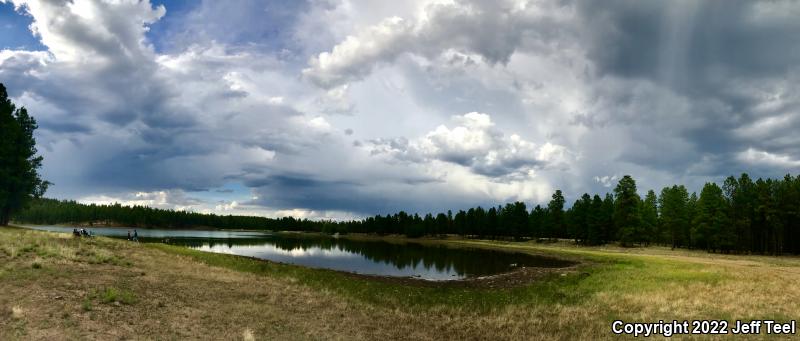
point(86, 233)
point(135, 236)
point(82, 233)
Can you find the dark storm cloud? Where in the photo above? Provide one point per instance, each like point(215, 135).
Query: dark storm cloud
point(64, 127)
point(288, 191)
point(728, 63)
point(296, 181)
point(142, 169)
point(306, 191)
point(699, 49)
point(694, 43)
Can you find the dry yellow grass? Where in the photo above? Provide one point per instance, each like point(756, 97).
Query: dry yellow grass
point(177, 295)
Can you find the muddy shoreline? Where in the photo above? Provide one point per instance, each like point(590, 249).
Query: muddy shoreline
point(516, 278)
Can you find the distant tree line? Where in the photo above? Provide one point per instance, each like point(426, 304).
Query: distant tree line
point(51, 211)
point(741, 216)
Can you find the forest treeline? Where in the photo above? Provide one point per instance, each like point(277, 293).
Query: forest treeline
point(740, 216)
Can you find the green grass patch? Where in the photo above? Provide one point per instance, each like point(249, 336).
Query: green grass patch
point(86, 305)
point(111, 295)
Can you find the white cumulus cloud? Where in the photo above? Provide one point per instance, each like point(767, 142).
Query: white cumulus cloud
point(475, 143)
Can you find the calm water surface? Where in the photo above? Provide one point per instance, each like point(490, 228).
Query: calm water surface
point(430, 262)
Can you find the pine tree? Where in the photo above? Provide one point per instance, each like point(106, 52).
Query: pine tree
point(739, 194)
point(691, 213)
point(649, 228)
point(517, 219)
point(536, 221)
point(19, 165)
point(675, 214)
point(555, 216)
point(491, 223)
point(626, 210)
point(580, 219)
point(710, 228)
point(766, 221)
point(787, 198)
point(609, 227)
point(594, 223)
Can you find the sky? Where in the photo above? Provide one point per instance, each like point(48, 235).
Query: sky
point(339, 109)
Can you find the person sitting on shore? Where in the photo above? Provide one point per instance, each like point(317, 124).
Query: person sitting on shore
point(129, 234)
point(75, 233)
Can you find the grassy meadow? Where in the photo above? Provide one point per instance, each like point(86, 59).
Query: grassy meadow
point(58, 287)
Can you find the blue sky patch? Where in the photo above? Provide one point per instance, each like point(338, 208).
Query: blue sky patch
point(14, 31)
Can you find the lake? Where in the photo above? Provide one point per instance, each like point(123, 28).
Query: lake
point(424, 261)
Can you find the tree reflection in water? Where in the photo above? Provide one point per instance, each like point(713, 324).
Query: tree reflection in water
point(465, 262)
